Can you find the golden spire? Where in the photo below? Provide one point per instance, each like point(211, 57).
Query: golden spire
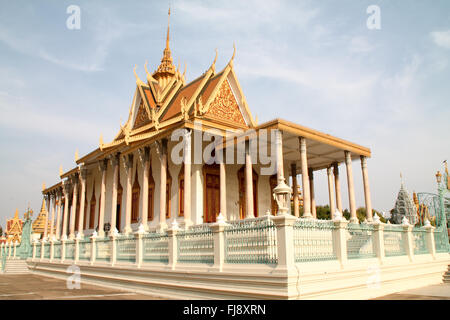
point(166, 67)
point(60, 170)
point(43, 186)
point(16, 215)
point(76, 155)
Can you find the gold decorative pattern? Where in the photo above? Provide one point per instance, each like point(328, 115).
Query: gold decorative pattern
point(141, 118)
point(224, 106)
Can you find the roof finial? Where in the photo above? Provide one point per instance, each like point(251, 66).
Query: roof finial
point(168, 29)
point(213, 66)
point(234, 54)
point(138, 81)
point(76, 155)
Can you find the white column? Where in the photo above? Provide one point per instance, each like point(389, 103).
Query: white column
point(351, 190)
point(146, 173)
point(331, 193)
point(248, 183)
point(115, 161)
point(305, 180)
point(73, 212)
point(129, 168)
point(295, 189)
point(46, 197)
point(52, 220)
point(101, 219)
point(337, 186)
point(311, 190)
point(366, 189)
point(187, 154)
point(83, 174)
point(163, 184)
point(58, 215)
point(66, 209)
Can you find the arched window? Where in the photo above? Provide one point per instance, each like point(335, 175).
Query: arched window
point(242, 193)
point(168, 187)
point(92, 209)
point(211, 194)
point(119, 205)
point(151, 194)
point(136, 191)
point(181, 192)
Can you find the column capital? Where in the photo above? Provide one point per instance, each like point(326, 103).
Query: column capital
point(66, 187)
point(144, 154)
point(302, 142)
point(102, 165)
point(348, 157)
point(363, 162)
point(83, 173)
point(336, 168)
point(115, 159)
point(128, 161)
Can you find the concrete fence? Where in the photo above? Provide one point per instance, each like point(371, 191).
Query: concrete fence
point(278, 241)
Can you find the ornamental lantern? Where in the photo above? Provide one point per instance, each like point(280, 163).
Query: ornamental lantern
point(282, 195)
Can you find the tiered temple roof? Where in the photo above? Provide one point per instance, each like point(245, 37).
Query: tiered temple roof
point(39, 224)
point(404, 207)
point(14, 228)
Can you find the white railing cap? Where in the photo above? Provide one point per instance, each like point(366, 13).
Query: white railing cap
point(405, 221)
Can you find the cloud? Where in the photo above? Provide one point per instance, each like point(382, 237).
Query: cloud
point(441, 38)
point(360, 44)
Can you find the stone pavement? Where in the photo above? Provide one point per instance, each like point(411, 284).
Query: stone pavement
point(433, 292)
point(36, 287)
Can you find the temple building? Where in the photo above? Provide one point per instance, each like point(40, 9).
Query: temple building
point(13, 231)
point(38, 226)
point(190, 151)
point(404, 207)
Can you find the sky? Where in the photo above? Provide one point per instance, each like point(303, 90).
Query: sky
point(315, 63)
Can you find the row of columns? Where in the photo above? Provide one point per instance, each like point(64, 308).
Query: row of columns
point(309, 207)
point(72, 186)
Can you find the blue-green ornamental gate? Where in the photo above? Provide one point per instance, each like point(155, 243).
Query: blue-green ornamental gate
point(435, 205)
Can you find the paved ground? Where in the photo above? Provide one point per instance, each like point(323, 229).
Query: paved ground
point(36, 287)
point(433, 292)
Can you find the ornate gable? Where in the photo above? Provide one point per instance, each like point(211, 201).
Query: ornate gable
point(141, 117)
point(224, 106)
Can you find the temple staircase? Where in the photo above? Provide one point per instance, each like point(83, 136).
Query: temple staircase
point(446, 277)
point(16, 266)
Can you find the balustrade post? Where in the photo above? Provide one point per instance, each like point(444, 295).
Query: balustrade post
point(77, 250)
point(113, 248)
point(34, 249)
point(285, 240)
point(430, 240)
point(63, 248)
point(139, 242)
point(219, 242)
point(93, 244)
point(52, 248)
point(173, 245)
point(42, 248)
point(340, 240)
point(408, 241)
point(378, 239)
